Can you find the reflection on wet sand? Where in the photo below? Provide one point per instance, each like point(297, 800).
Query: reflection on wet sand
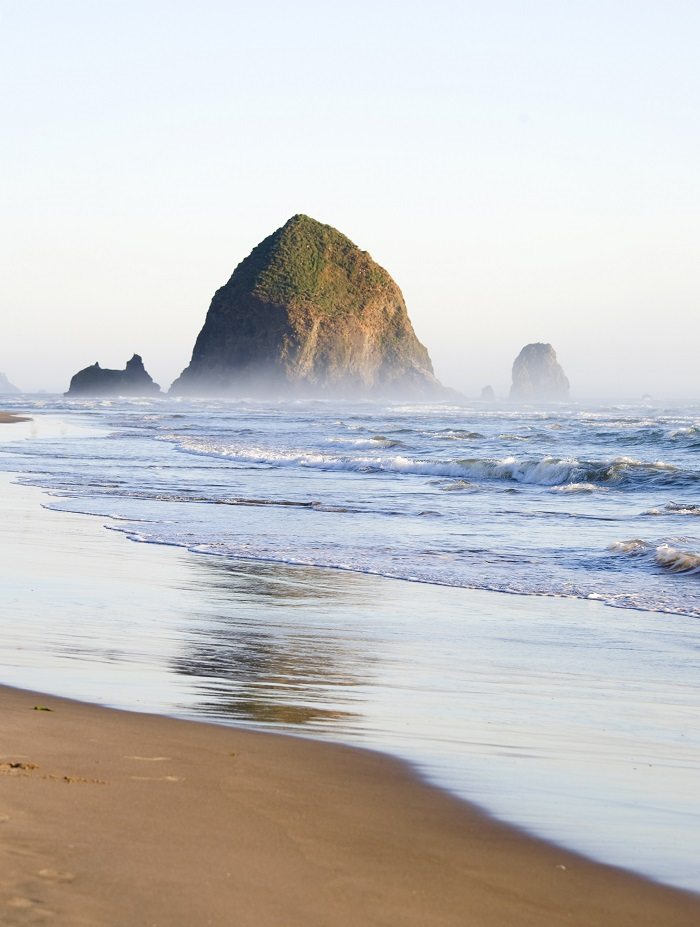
point(267, 645)
point(560, 715)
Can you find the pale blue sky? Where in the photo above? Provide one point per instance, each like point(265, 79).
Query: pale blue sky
point(526, 171)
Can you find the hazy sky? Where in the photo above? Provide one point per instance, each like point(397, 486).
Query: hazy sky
point(526, 171)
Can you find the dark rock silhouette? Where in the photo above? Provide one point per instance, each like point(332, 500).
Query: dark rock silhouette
point(6, 387)
point(308, 313)
point(98, 381)
point(538, 375)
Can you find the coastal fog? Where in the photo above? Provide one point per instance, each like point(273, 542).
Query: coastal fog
point(524, 174)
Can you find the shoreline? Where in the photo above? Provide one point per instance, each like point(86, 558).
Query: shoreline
point(111, 817)
point(87, 538)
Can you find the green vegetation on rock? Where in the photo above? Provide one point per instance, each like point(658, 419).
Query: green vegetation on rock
point(308, 311)
point(306, 261)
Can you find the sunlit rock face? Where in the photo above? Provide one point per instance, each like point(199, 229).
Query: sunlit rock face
point(308, 313)
point(537, 375)
point(100, 381)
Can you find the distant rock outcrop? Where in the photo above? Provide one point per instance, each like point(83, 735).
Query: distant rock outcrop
point(308, 313)
point(487, 394)
point(538, 375)
point(6, 387)
point(98, 381)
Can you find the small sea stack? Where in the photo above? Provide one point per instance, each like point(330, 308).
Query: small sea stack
point(309, 314)
point(101, 381)
point(537, 375)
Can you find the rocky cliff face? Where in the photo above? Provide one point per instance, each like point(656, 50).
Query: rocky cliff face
point(308, 313)
point(99, 381)
point(538, 375)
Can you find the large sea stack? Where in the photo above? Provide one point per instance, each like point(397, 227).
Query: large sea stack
point(308, 313)
point(537, 375)
point(6, 387)
point(100, 381)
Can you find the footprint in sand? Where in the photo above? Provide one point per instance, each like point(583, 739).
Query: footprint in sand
point(4, 817)
point(38, 914)
point(56, 875)
point(153, 759)
point(19, 901)
point(157, 778)
point(16, 767)
point(148, 759)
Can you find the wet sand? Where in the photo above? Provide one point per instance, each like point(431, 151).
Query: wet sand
point(113, 818)
point(10, 418)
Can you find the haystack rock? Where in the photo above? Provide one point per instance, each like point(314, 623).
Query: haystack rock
point(308, 313)
point(538, 375)
point(6, 387)
point(99, 381)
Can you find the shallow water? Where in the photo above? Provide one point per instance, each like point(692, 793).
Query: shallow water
point(568, 718)
point(561, 500)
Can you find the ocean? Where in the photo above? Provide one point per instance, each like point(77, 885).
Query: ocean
point(507, 595)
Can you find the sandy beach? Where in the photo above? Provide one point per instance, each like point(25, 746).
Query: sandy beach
point(112, 818)
point(10, 418)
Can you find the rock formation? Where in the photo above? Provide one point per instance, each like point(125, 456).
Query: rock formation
point(538, 375)
point(98, 381)
point(307, 313)
point(487, 394)
point(6, 387)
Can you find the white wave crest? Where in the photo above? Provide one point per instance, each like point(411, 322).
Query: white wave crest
point(668, 558)
point(693, 431)
point(635, 547)
point(454, 435)
point(675, 508)
point(378, 441)
point(578, 487)
point(546, 471)
point(677, 561)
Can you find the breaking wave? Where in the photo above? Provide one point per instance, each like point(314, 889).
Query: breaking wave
point(579, 487)
point(675, 508)
point(375, 442)
point(575, 474)
point(672, 559)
